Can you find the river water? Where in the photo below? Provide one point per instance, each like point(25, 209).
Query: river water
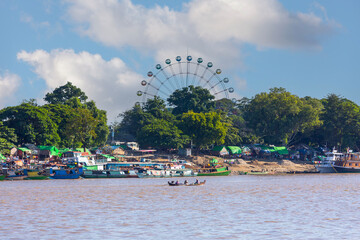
point(312, 206)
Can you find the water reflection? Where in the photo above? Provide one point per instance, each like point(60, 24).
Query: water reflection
point(239, 207)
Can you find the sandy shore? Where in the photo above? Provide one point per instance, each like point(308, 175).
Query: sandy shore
point(270, 166)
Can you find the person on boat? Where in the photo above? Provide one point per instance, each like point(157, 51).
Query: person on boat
point(197, 181)
point(177, 182)
point(186, 182)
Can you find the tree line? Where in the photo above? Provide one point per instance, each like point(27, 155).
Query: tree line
point(189, 117)
point(66, 120)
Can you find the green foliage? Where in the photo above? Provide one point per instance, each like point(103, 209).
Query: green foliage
point(204, 128)
point(161, 134)
point(7, 138)
point(279, 116)
point(196, 99)
point(62, 94)
point(341, 122)
point(132, 122)
point(32, 124)
point(81, 128)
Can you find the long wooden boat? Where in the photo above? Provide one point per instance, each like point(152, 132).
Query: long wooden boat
point(172, 183)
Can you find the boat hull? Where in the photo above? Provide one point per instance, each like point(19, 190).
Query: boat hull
point(326, 169)
point(221, 173)
point(2, 177)
point(12, 177)
point(346, 169)
point(65, 173)
point(107, 174)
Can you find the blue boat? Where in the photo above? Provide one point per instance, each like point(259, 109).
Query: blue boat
point(65, 173)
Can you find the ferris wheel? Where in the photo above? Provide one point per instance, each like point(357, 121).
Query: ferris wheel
point(166, 79)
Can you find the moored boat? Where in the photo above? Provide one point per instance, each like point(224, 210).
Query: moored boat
point(223, 171)
point(109, 174)
point(64, 173)
point(326, 165)
point(156, 173)
point(2, 177)
point(350, 163)
point(20, 174)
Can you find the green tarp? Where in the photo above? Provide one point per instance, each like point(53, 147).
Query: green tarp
point(107, 156)
point(219, 148)
point(281, 150)
point(234, 149)
point(2, 157)
point(53, 150)
point(24, 149)
point(82, 150)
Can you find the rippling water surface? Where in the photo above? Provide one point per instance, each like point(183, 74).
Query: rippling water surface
point(316, 206)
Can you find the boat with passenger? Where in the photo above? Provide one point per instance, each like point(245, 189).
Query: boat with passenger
point(186, 183)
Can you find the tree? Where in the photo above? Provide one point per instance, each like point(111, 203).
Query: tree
point(101, 129)
point(32, 124)
point(341, 122)
point(64, 93)
point(135, 119)
point(161, 134)
point(278, 116)
point(157, 108)
point(81, 128)
point(61, 115)
point(203, 128)
point(196, 99)
point(7, 138)
point(132, 121)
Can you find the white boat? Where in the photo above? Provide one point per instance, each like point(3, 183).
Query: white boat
point(167, 173)
point(326, 165)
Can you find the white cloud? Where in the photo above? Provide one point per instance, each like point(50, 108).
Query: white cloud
point(213, 29)
point(9, 83)
point(111, 84)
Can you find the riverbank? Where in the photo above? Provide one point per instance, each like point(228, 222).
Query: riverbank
point(259, 166)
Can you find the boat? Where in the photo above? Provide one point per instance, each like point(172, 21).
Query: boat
point(109, 174)
point(326, 165)
point(64, 172)
point(36, 174)
point(2, 177)
point(185, 183)
point(196, 183)
point(19, 174)
point(350, 163)
point(222, 171)
point(156, 173)
point(153, 173)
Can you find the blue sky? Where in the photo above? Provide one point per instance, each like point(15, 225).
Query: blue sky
point(106, 48)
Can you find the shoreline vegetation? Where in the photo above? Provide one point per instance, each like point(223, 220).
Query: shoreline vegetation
point(277, 125)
